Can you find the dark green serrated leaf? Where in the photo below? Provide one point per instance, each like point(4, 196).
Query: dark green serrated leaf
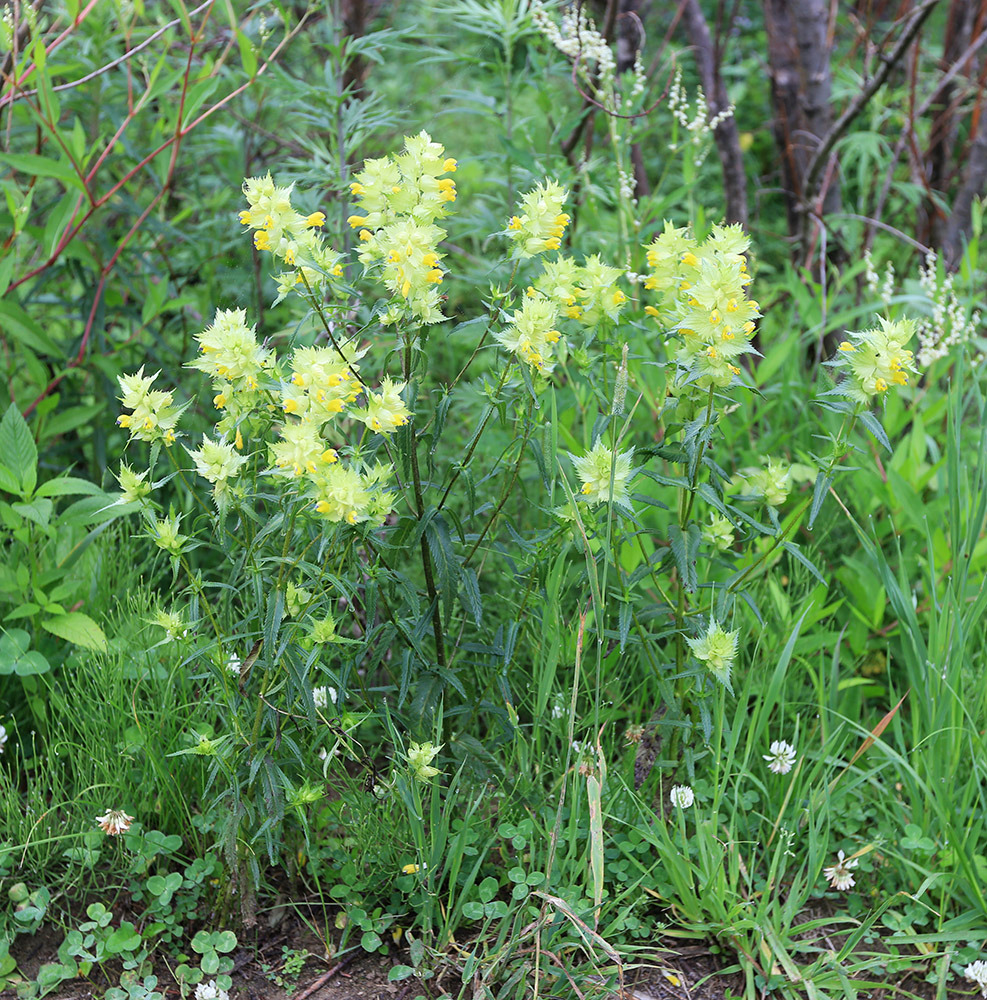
point(793, 550)
point(685, 547)
point(819, 491)
point(875, 427)
point(470, 594)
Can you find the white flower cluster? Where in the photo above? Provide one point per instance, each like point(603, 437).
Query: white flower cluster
point(577, 38)
point(694, 117)
point(627, 185)
point(977, 971)
point(948, 325)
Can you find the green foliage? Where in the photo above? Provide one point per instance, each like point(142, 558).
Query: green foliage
point(601, 563)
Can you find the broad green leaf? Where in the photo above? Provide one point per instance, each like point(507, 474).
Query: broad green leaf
point(38, 510)
point(78, 628)
point(66, 486)
point(41, 166)
point(18, 449)
point(21, 327)
point(247, 53)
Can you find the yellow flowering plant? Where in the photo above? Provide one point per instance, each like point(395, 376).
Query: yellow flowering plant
point(347, 551)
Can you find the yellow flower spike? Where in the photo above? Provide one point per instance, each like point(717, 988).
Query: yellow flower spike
point(515, 223)
point(651, 311)
point(219, 400)
point(356, 188)
point(587, 488)
point(847, 347)
point(351, 517)
point(289, 256)
point(430, 259)
point(651, 283)
point(449, 166)
point(686, 332)
point(685, 286)
point(290, 406)
point(169, 437)
point(574, 312)
point(553, 336)
point(727, 335)
point(365, 236)
point(316, 219)
point(715, 317)
point(734, 369)
point(336, 272)
point(335, 406)
point(880, 385)
point(711, 352)
point(355, 221)
point(298, 379)
point(690, 259)
point(748, 327)
point(434, 276)
point(619, 298)
point(553, 243)
point(405, 288)
point(732, 306)
point(755, 305)
point(251, 382)
point(329, 456)
point(238, 441)
point(244, 217)
point(693, 302)
point(261, 241)
point(123, 420)
point(530, 291)
point(312, 467)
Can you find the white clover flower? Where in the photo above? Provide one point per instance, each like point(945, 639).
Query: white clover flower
point(977, 971)
point(781, 758)
point(114, 821)
point(323, 695)
point(682, 796)
point(210, 991)
point(839, 875)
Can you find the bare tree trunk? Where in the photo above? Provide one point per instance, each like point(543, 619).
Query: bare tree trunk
point(942, 160)
point(725, 134)
point(787, 123)
point(799, 52)
point(958, 226)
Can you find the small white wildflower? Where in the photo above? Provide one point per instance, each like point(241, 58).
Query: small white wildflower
point(210, 991)
point(323, 695)
point(3, 737)
point(977, 971)
point(682, 796)
point(233, 664)
point(839, 875)
point(114, 821)
point(781, 758)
